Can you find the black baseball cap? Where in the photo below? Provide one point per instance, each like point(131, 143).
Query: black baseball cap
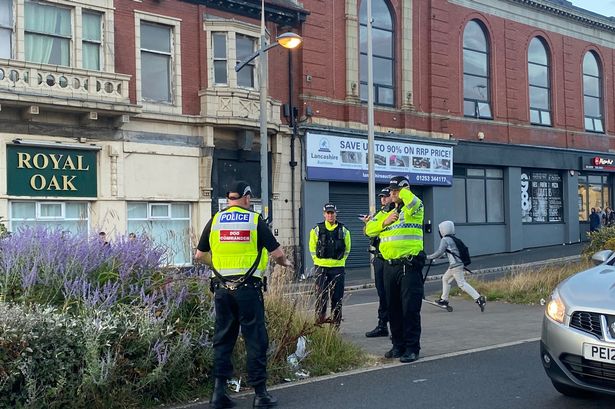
point(386, 192)
point(329, 207)
point(238, 190)
point(398, 182)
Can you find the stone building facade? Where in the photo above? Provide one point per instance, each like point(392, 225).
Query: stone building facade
point(127, 116)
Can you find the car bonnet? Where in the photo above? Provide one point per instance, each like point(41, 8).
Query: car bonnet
point(590, 290)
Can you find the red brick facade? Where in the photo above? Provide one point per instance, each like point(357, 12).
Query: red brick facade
point(437, 30)
point(193, 47)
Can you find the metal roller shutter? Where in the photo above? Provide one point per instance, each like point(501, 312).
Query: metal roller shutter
point(350, 203)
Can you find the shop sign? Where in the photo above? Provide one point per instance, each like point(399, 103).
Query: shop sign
point(343, 158)
point(600, 163)
point(37, 171)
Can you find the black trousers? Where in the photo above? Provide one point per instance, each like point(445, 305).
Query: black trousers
point(404, 293)
point(383, 314)
point(329, 284)
point(242, 307)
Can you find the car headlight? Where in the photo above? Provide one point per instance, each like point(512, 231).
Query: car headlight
point(556, 310)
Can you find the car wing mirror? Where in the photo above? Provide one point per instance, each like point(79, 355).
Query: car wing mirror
point(601, 257)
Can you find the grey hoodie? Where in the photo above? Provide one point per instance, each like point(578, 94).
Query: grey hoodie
point(445, 228)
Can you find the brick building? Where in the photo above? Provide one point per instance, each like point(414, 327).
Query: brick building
point(500, 111)
point(127, 115)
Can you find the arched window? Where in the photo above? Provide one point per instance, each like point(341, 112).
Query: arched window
point(382, 50)
point(476, 82)
point(539, 82)
point(592, 93)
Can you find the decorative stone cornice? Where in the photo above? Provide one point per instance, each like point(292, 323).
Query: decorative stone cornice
point(571, 12)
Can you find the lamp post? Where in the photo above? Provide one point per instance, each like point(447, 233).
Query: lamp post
point(286, 40)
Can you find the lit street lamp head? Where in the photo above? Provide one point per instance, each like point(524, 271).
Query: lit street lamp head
point(289, 40)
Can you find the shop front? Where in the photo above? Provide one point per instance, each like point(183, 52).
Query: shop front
point(336, 171)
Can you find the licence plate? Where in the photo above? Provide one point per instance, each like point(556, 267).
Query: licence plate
point(599, 353)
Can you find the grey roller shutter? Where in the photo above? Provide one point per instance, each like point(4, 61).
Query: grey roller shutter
point(349, 206)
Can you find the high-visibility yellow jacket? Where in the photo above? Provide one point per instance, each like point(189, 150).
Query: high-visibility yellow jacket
point(234, 242)
point(404, 237)
point(329, 262)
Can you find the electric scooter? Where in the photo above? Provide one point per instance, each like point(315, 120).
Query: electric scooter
point(443, 307)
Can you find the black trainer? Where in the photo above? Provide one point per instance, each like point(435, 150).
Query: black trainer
point(377, 332)
point(481, 301)
point(408, 357)
point(442, 302)
point(394, 352)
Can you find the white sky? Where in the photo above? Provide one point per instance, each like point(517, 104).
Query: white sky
point(604, 7)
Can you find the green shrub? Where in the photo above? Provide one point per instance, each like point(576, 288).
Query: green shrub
point(41, 358)
point(599, 240)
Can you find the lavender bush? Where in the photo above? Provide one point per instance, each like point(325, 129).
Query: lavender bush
point(88, 323)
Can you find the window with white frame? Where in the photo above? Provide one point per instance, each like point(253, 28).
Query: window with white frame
point(56, 34)
point(6, 28)
point(91, 40)
point(383, 52)
point(592, 93)
point(231, 42)
point(539, 82)
point(167, 224)
point(48, 33)
point(220, 58)
point(245, 48)
point(156, 59)
point(476, 72)
point(67, 216)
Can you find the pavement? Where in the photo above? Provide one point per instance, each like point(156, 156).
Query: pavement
point(465, 328)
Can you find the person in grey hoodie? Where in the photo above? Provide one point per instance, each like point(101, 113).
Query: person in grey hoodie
point(456, 269)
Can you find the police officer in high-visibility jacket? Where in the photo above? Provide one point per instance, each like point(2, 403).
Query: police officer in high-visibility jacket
point(233, 243)
point(381, 329)
point(329, 247)
point(401, 245)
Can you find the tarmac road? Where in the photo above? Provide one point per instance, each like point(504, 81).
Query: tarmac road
point(500, 378)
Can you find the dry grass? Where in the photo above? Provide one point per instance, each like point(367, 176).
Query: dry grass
point(524, 286)
point(290, 315)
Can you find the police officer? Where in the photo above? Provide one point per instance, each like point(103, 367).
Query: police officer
point(381, 329)
point(233, 243)
point(401, 244)
point(329, 247)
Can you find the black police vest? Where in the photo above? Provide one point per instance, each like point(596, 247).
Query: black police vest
point(330, 242)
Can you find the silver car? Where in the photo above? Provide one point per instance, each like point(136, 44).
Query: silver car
point(577, 348)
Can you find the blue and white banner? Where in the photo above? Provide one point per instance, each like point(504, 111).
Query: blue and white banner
point(340, 158)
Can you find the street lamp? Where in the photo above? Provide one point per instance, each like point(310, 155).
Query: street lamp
point(286, 40)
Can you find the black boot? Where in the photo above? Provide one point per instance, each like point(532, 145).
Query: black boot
point(220, 399)
point(380, 331)
point(263, 399)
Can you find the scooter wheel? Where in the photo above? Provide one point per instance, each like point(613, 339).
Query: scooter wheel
point(449, 308)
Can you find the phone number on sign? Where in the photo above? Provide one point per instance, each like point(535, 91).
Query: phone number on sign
point(430, 178)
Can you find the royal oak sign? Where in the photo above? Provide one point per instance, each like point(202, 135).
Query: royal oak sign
point(38, 171)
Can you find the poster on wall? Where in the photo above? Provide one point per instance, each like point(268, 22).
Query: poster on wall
point(541, 197)
point(344, 158)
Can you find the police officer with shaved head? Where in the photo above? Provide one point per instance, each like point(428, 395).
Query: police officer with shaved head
point(235, 243)
point(401, 244)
